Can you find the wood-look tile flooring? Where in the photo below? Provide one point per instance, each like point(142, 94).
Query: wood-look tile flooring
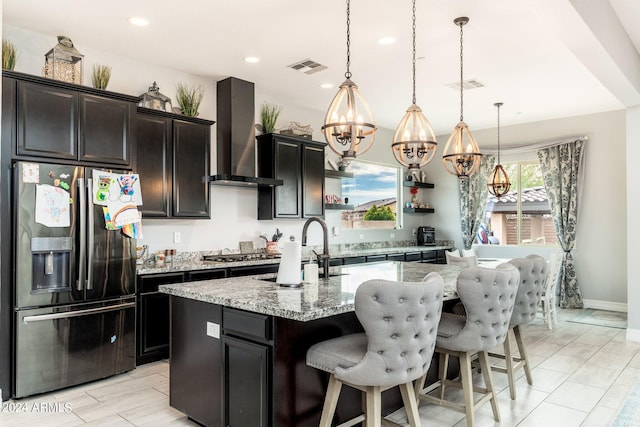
point(581, 374)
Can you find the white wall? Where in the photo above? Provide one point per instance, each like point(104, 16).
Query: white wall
point(600, 251)
point(633, 226)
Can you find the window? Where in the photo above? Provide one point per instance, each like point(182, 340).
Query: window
point(373, 191)
point(520, 217)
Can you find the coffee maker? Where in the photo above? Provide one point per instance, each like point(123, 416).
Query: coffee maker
point(426, 236)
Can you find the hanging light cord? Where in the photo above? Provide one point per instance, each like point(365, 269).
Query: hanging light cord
point(348, 73)
point(414, 51)
point(461, 67)
point(498, 105)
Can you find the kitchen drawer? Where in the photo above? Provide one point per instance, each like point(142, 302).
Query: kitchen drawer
point(150, 282)
point(192, 276)
point(246, 324)
point(374, 258)
point(250, 270)
point(429, 256)
point(354, 260)
point(412, 256)
point(395, 257)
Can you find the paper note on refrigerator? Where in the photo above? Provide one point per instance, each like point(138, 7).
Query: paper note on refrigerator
point(116, 188)
point(52, 206)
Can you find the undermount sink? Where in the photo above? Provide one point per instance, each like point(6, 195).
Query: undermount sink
point(273, 279)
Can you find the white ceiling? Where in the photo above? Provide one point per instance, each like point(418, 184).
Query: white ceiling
point(543, 58)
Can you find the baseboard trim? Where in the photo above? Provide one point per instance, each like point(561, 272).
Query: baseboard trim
point(633, 335)
point(605, 305)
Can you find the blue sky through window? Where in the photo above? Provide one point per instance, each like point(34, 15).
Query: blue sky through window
point(370, 182)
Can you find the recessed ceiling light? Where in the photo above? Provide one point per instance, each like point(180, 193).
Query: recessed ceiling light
point(251, 59)
point(326, 85)
point(386, 40)
point(140, 22)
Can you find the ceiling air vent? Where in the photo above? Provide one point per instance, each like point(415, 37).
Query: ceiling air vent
point(466, 84)
point(307, 66)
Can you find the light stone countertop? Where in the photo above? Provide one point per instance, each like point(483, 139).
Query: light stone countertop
point(198, 264)
point(311, 301)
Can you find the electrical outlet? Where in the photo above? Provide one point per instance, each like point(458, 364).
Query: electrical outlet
point(177, 237)
point(414, 231)
point(361, 236)
point(213, 330)
point(392, 235)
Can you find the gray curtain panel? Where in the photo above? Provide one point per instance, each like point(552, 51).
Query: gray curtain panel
point(562, 172)
point(473, 200)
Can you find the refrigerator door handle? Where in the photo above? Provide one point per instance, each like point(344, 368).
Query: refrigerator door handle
point(54, 316)
point(90, 241)
point(82, 259)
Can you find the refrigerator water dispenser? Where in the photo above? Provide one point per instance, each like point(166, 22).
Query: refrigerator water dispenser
point(50, 264)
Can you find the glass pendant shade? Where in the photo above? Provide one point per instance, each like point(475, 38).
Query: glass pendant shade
point(414, 143)
point(461, 155)
point(349, 127)
point(498, 182)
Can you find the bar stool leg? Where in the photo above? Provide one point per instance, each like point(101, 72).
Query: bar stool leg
point(410, 404)
point(330, 401)
point(374, 407)
point(467, 386)
point(523, 355)
point(508, 359)
point(488, 381)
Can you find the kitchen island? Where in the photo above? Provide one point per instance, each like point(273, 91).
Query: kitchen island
point(238, 345)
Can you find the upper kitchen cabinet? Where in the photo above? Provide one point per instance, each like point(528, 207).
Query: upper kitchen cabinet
point(70, 122)
point(173, 159)
point(299, 163)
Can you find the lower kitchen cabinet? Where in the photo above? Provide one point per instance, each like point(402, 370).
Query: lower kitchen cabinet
point(247, 368)
point(152, 328)
point(196, 357)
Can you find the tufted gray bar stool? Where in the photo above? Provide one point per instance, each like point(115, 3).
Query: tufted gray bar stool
point(400, 321)
point(488, 296)
point(533, 275)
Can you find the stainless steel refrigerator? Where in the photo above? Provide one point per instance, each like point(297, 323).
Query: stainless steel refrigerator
point(74, 294)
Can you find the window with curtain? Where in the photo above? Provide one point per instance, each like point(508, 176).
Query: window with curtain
point(522, 216)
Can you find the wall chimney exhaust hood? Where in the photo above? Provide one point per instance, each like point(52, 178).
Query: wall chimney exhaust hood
point(236, 136)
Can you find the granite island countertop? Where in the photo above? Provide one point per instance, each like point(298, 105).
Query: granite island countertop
point(191, 264)
point(327, 298)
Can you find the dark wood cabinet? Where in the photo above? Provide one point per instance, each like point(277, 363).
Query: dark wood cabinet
point(69, 122)
point(312, 181)
point(299, 163)
point(196, 360)
point(153, 317)
point(247, 390)
point(104, 134)
point(173, 157)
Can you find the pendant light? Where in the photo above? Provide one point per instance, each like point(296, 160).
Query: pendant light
point(349, 127)
point(461, 155)
point(498, 181)
point(414, 143)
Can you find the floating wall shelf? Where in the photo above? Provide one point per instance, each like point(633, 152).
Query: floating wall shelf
point(330, 173)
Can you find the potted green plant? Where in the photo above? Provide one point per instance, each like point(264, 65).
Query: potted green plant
point(189, 98)
point(8, 55)
point(101, 76)
point(269, 115)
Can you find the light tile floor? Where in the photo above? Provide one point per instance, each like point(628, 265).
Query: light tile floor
point(581, 374)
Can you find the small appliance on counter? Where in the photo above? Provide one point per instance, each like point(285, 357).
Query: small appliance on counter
point(426, 236)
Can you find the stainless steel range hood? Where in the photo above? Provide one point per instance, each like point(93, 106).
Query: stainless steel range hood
point(236, 136)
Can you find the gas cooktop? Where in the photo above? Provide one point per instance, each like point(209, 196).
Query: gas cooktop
point(239, 257)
